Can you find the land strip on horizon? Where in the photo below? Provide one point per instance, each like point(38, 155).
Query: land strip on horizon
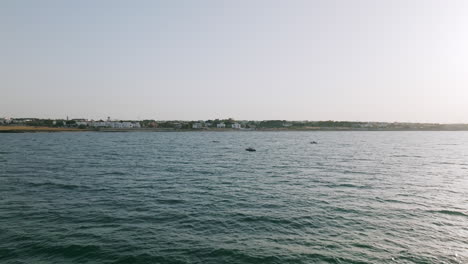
point(19, 125)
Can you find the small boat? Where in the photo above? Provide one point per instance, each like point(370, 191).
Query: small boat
point(313, 142)
point(250, 149)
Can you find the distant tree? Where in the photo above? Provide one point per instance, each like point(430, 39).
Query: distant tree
point(148, 123)
point(228, 122)
point(271, 123)
point(40, 122)
point(166, 125)
point(70, 123)
point(59, 123)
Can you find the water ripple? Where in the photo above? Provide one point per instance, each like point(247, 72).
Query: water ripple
point(357, 197)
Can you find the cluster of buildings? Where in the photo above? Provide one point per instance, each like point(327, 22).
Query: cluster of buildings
point(110, 124)
point(107, 124)
point(200, 125)
point(70, 123)
point(4, 121)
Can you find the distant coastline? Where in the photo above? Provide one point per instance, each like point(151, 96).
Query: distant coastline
point(42, 129)
point(24, 125)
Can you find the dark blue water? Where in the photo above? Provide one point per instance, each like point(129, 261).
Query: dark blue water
point(356, 197)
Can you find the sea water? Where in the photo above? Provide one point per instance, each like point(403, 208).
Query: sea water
point(199, 197)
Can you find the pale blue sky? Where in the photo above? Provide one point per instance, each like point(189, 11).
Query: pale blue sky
point(395, 60)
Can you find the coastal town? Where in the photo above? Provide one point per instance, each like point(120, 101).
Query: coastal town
point(229, 124)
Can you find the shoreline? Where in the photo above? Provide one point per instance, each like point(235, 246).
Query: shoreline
point(27, 129)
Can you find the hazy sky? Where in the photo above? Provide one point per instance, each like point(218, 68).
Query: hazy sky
point(300, 60)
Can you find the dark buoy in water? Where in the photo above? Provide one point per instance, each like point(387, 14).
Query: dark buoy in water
point(250, 149)
point(215, 141)
point(313, 142)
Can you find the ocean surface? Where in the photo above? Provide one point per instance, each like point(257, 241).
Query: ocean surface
point(199, 197)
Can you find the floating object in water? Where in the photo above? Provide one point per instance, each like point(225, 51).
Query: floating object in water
point(215, 141)
point(313, 142)
point(250, 149)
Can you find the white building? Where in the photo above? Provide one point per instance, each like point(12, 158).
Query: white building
point(124, 124)
point(79, 123)
point(236, 126)
point(197, 125)
point(114, 124)
point(221, 125)
point(5, 120)
point(366, 125)
point(99, 124)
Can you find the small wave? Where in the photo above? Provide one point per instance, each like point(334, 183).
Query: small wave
point(234, 256)
point(347, 210)
point(348, 185)
point(66, 186)
point(391, 201)
point(90, 253)
point(204, 172)
point(448, 163)
point(145, 258)
point(439, 223)
point(400, 156)
point(360, 245)
point(320, 258)
point(358, 172)
point(71, 251)
point(170, 201)
point(112, 173)
point(270, 220)
point(79, 250)
point(449, 212)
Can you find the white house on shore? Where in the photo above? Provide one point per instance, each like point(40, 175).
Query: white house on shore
point(6, 120)
point(221, 125)
point(81, 123)
point(115, 124)
point(125, 125)
point(236, 126)
point(197, 125)
point(98, 124)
